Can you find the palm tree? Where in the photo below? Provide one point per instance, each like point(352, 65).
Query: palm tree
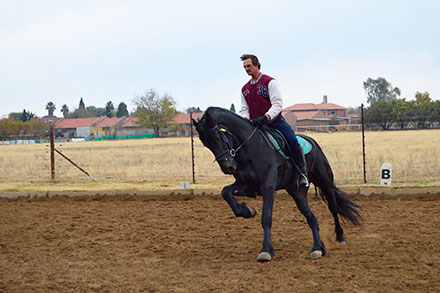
point(65, 110)
point(50, 107)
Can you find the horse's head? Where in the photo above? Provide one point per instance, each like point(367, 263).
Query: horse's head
point(216, 137)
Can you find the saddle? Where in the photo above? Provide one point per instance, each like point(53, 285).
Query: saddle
point(279, 142)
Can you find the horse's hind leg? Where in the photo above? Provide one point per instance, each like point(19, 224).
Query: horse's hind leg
point(300, 197)
point(333, 207)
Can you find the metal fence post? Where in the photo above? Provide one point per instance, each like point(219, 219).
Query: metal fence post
point(192, 147)
point(363, 142)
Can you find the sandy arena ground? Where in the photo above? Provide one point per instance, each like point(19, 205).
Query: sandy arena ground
point(183, 243)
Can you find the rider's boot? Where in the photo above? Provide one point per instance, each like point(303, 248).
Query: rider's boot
point(300, 160)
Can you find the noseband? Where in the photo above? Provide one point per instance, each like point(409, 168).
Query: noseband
point(232, 152)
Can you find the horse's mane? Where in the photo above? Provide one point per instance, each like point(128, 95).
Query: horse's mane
point(221, 115)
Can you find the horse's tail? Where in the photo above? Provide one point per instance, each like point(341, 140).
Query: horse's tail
point(322, 174)
point(344, 205)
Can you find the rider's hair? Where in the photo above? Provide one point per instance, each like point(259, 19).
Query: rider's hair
point(253, 58)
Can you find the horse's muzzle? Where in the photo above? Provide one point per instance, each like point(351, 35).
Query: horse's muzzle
point(228, 168)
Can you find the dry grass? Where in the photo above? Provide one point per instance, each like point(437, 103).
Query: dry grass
point(163, 162)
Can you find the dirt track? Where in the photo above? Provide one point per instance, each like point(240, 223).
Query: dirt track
point(194, 243)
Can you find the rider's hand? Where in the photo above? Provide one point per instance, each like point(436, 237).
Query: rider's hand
point(257, 122)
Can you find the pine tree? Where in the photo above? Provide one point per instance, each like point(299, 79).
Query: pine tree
point(122, 110)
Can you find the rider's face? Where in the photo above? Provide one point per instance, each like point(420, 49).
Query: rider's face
point(250, 68)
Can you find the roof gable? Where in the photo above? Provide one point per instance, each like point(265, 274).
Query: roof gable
point(305, 115)
point(131, 122)
point(108, 122)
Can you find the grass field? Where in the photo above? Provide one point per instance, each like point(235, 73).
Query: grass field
point(161, 163)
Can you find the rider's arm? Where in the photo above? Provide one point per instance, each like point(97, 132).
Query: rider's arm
point(244, 112)
point(276, 99)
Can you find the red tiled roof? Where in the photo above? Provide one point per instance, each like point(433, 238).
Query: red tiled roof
point(305, 115)
point(183, 118)
point(108, 122)
point(130, 122)
point(76, 122)
point(310, 106)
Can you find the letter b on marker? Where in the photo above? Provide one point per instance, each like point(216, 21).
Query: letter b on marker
point(386, 173)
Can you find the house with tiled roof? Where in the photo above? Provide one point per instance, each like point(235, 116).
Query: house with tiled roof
point(181, 126)
point(76, 127)
point(107, 126)
point(317, 116)
point(130, 127)
point(97, 127)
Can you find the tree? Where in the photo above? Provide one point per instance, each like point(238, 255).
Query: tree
point(402, 112)
point(435, 114)
point(380, 89)
point(333, 122)
point(193, 110)
point(81, 111)
point(232, 109)
point(26, 116)
point(122, 110)
point(155, 111)
point(380, 113)
point(50, 107)
point(38, 128)
point(422, 97)
point(423, 111)
point(15, 116)
point(65, 111)
point(109, 109)
point(4, 129)
point(10, 128)
point(93, 111)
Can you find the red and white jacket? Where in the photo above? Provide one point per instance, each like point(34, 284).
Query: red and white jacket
point(261, 97)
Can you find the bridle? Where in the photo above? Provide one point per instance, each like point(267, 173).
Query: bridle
point(232, 152)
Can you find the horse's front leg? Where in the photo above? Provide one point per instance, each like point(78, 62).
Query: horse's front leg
point(266, 252)
point(240, 210)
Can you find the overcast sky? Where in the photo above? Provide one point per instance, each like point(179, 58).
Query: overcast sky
point(60, 51)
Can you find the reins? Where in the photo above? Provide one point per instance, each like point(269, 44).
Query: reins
point(231, 150)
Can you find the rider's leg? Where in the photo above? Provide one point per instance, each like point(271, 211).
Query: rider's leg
point(297, 152)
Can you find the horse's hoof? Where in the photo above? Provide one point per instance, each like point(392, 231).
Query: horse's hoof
point(253, 211)
point(264, 257)
point(342, 243)
point(316, 254)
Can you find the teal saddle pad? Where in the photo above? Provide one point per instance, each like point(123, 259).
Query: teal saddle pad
point(307, 146)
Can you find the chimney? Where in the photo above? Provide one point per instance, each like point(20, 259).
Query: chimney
point(324, 99)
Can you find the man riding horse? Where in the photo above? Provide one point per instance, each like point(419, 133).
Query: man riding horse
point(262, 102)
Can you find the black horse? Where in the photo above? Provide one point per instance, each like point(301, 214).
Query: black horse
point(244, 151)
